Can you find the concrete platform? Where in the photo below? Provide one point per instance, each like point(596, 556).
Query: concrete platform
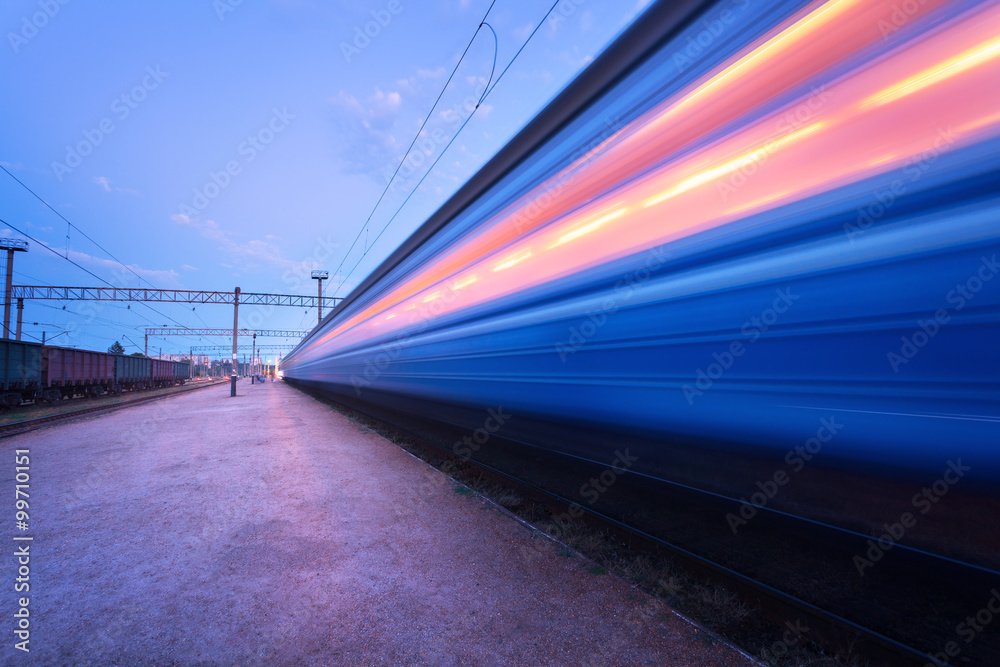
point(268, 529)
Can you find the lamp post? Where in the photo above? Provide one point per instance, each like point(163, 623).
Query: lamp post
point(236, 326)
point(11, 246)
point(319, 277)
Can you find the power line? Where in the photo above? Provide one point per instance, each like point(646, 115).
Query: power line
point(489, 90)
point(86, 270)
point(413, 143)
point(84, 234)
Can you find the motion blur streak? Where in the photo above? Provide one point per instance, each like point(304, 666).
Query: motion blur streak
point(852, 139)
point(794, 221)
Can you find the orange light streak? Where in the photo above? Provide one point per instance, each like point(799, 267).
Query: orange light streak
point(953, 67)
point(728, 168)
point(589, 227)
point(512, 260)
point(852, 144)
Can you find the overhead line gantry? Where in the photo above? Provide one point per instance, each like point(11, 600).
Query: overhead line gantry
point(62, 293)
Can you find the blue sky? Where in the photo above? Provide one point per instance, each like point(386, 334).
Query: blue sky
point(209, 144)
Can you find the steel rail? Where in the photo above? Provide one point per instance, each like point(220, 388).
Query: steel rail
point(827, 629)
point(27, 425)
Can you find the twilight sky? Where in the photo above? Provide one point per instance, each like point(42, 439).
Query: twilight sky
point(213, 143)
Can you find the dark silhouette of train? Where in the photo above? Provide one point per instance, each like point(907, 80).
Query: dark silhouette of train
point(47, 373)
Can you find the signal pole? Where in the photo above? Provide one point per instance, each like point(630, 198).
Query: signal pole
point(319, 276)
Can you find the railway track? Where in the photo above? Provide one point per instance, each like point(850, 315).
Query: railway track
point(831, 631)
point(26, 425)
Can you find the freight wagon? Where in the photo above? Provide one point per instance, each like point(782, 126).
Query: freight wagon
point(67, 372)
point(32, 372)
point(132, 373)
point(20, 371)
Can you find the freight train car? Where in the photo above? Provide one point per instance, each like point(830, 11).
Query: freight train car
point(131, 373)
point(32, 372)
point(67, 372)
point(20, 371)
point(182, 372)
point(166, 373)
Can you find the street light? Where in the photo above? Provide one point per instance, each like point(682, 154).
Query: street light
point(11, 246)
point(320, 276)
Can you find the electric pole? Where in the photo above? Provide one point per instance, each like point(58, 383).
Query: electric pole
point(236, 326)
point(319, 276)
point(11, 246)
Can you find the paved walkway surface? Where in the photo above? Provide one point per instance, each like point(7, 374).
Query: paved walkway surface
point(268, 529)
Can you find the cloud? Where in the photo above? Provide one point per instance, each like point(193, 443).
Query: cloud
point(122, 277)
point(522, 33)
point(242, 255)
point(188, 267)
point(105, 183)
point(365, 138)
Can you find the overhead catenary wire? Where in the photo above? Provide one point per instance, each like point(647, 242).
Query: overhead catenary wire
point(82, 268)
point(402, 160)
point(72, 226)
point(454, 137)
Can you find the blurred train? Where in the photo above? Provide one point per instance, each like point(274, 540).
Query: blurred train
point(753, 245)
point(46, 373)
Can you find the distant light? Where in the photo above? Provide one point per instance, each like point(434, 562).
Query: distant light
point(322, 275)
